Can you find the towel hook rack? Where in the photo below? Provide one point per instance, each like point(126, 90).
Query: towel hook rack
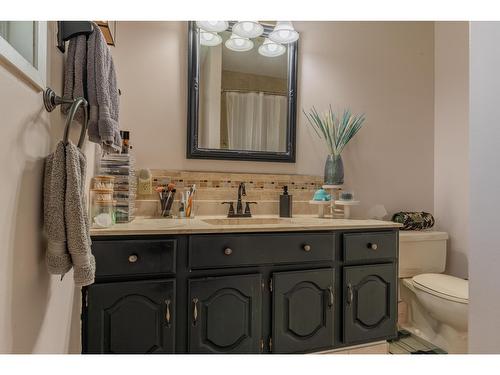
point(68, 29)
point(51, 101)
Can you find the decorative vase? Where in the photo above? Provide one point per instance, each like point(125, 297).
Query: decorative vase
point(334, 170)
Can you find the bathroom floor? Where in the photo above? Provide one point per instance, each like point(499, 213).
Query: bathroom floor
point(407, 343)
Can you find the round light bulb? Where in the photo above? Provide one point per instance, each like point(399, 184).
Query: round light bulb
point(284, 33)
point(213, 26)
point(239, 44)
point(210, 39)
point(271, 49)
point(248, 29)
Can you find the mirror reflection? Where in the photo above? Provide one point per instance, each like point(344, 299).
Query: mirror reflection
point(243, 86)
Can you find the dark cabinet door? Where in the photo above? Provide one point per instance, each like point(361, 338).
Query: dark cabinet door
point(369, 302)
point(131, 317)
point(303, 310)
point(225, 314)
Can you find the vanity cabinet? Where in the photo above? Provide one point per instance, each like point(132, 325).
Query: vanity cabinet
point(131, 317)
point(303, 310)
point(225, 314)
point(286, 292)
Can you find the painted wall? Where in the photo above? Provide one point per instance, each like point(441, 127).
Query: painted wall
point(384, 69)
point(38, 312)
point(451, 140)
point(484, 133)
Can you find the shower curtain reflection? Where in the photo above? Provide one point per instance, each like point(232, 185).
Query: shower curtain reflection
point(256, 121)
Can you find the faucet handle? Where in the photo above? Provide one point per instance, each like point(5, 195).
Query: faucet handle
point(231, 208)
point(247, 207)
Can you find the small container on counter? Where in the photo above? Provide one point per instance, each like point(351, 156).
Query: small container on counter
point(285, 203)
point(102, 214)
point(101, 195)
point(103, 182)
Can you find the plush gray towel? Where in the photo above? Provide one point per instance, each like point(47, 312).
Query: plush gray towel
point(65, 215)
point(89, 72)
point(75, 74)
point(102, 93)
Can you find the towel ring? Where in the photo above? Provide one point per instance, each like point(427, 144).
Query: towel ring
point(72, 111)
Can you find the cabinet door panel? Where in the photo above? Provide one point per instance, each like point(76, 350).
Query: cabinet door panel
point(131, 317)
point(369, 303)
point(225, 314)
point(303, 310)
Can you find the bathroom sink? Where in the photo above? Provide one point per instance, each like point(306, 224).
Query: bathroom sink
point(245, 221)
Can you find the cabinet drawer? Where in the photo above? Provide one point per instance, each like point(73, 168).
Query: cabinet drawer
point(134, 257)
point(214, 251)
point(370, 246)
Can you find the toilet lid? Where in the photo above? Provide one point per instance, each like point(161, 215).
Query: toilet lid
point(444, 286)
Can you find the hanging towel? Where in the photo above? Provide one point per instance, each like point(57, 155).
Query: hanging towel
point(89, 72)
point(65, 215)
point(102, 93)
point(75, 74)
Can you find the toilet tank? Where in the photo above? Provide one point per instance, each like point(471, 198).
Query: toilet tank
point(421, 252)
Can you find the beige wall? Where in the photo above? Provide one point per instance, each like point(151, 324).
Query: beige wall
point(38, 313)
point(451, 140)
point(484, 133)
point(384, 69)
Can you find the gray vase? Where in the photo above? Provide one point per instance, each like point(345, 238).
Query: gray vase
point(334, 170)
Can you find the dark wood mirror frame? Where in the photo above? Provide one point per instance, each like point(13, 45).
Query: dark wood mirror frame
point(195, 152)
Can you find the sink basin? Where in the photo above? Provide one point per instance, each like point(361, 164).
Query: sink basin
point(246, 221)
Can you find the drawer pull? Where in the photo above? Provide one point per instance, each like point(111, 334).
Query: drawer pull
point(195, 310)
point(373, 246)
point(133, 258)
point(228, 251)
point(307, 248)
point(167, 313)
point(350, 295)
point(330, 293)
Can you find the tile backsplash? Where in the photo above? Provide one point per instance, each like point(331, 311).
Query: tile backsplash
point(216, 187)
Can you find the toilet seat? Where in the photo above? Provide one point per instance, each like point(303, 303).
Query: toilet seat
point(443, 286)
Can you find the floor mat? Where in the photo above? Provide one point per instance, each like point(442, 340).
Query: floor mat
point(407, 343)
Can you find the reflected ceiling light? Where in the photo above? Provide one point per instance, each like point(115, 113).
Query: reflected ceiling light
point(210, 39)
point(237, 43)
point(213, 26)
point(284, 33)
point(248, 29)
point(271, 49)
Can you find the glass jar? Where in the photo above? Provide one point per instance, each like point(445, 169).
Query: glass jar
point(103, 182)
point(102, 214)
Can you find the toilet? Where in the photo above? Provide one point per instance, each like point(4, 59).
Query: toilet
point(436, 303)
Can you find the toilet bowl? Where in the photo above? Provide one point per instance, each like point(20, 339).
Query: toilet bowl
point(438, 309)
point(437, 304)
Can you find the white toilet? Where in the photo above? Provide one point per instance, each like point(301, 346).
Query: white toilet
point(437, 304)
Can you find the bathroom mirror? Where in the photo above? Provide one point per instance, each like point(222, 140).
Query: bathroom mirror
point(241, 103)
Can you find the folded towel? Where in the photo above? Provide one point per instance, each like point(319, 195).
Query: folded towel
point(89, 72)
point(76, 218)
point(57, 257)
point(102, 93)
point(65, 215)
point(75, 74)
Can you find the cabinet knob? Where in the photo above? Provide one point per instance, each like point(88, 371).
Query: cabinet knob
point(373, 246)
point(133, 258)
point(307, 247)
point(228, 251)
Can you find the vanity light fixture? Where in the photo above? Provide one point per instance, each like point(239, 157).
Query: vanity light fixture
point(210, 39)
point(271, 49)
point(248, 29)
point(239, 44)
point(284, 33)
point(213, 26)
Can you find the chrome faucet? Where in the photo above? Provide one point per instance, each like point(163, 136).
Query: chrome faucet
point(239, 204)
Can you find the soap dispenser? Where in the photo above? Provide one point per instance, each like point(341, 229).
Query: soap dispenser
point(285, 203)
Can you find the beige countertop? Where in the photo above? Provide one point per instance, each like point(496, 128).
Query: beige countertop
point(257, 223)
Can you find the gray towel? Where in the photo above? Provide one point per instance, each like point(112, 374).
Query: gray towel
point(89, 72)
point(65, 215)
point(102, 93)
